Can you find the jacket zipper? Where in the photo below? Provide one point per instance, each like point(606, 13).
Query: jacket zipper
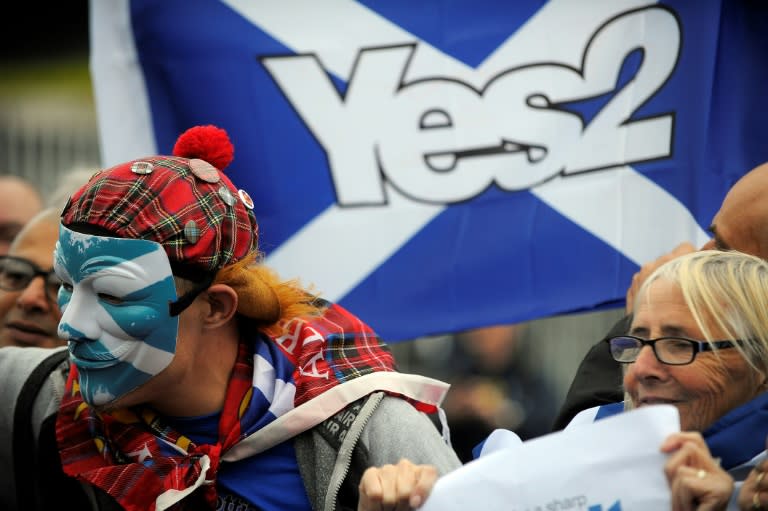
point(353, 441)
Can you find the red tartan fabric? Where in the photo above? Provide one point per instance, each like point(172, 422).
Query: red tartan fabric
point(331, 349)
point(334, 348)
point(159, 206)
point(110, 450)
point(107, 450)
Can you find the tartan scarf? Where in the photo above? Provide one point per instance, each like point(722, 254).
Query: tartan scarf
point(134, 457)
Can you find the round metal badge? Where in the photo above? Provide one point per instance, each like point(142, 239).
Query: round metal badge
point(142, 167)
point(204, 170)
point(226, 195)
point(245, 198)
point(191, 232)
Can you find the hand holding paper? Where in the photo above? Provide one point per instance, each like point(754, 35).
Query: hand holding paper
point(610, 465)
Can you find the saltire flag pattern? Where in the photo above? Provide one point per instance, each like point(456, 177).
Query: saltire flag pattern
point(438, 166)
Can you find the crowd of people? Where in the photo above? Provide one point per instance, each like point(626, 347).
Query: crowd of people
point(196, 377)
point(150, 360)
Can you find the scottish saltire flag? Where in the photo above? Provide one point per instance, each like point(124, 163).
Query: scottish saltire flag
point(436, 166)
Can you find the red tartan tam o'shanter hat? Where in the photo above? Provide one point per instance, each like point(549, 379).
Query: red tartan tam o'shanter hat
point(184, 202)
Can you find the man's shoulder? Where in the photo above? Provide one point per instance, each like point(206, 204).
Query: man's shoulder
point(17, 365)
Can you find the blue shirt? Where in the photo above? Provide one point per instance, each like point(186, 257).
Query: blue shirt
point(269, 481)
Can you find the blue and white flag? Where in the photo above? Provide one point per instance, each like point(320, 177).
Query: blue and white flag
point(438, 166)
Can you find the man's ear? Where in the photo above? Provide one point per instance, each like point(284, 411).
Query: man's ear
point(222, 301)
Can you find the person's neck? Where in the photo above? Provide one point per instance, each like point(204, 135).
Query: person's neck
point(202, 389)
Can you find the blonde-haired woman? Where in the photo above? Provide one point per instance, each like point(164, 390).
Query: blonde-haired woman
point(699, 341)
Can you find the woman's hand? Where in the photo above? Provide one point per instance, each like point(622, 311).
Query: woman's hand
point(754, 492)
point(695, 478)
point(400, 487)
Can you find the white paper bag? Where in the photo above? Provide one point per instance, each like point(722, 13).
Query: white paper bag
point(610, 465)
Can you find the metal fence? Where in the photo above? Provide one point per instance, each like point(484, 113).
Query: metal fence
point(43, 141)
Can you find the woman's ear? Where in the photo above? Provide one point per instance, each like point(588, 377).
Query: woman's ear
point(222, 301)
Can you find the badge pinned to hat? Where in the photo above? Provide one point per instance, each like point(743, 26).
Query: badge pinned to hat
point(245, 198)
point(184, 201)
point(204, 170)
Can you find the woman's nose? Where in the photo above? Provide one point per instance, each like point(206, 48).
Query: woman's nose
point(647, 365)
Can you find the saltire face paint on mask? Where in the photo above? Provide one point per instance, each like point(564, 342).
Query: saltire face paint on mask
point(115, 314)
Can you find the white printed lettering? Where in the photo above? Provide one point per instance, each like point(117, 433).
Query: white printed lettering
point(440, 140)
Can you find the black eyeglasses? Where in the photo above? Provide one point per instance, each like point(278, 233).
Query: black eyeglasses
point(16, 273)
point(676, 351)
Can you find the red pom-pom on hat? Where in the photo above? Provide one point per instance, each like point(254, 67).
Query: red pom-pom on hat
point(209, 143)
